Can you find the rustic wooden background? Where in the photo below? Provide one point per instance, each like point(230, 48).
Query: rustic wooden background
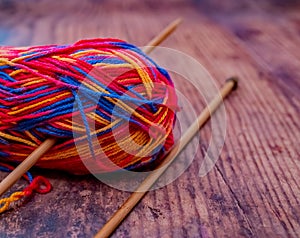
point(253, 190)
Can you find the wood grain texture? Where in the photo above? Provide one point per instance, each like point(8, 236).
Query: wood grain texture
point(253, 190)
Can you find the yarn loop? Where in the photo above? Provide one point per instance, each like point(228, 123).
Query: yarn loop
point(38, 184)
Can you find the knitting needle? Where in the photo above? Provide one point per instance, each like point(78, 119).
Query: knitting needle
point(163, 35)
point(140, 192)
point(22, 168)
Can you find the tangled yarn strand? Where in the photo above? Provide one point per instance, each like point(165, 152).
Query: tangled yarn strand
point(38, 184)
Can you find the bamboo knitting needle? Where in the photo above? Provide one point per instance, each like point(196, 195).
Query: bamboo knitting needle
point(22, 168)
point(163, 35)
point(140, 192)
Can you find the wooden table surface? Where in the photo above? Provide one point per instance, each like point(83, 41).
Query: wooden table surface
point(253, 190)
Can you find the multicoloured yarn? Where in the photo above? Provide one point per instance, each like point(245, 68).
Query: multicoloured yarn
point(38, 184)
point(39, 98)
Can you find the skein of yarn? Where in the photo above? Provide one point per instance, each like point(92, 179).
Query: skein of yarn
point(108, 103)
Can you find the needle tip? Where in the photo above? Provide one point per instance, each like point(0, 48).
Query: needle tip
point(235, 81)
point(178, 20)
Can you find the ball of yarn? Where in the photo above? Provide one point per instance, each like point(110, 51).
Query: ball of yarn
point(105, 101)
